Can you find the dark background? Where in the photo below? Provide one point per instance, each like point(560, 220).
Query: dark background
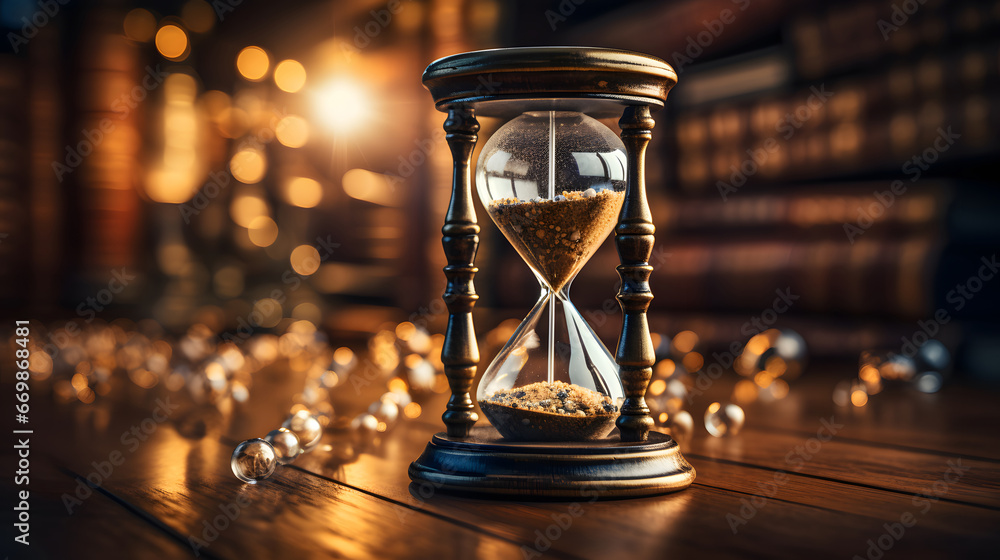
point(896, 80)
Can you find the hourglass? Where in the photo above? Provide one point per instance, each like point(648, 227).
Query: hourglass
point(565, 414)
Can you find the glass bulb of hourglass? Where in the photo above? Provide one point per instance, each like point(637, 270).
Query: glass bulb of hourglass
point(554, 184)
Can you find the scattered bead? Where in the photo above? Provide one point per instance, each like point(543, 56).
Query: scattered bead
point(254, 460)
point(306, 427)
point(681, 426)
point(723, 419)
point(285, 443)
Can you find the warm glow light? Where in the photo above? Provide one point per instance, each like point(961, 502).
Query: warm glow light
point(370, 187)
point(198, 16)
point(245, 208)
point(140, 25)
point(292, 131)
point(266, 312)
point(342, 104)
point(248, 166)
point(177, 175)
point(307, 311)
point(343, 355)
point(412, 410)
point(172, 42)
point(745, 391)
point(289, 75)
point(666, 368)
point(779, 389)
point(657, 387)
point(776, 366)
point(859, 398)
point(263, 231)
point(303, 192)
point(763, 379)
point(693, 361)
point(305, 260)
point(684, 341)
point(215, 102)
point(252, 63)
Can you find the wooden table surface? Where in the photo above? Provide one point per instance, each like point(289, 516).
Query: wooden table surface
point(918, 475)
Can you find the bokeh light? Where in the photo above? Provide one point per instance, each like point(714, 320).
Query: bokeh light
point(248, 166)
point(267, 312)
point(252, 63)
point(140, 25)
point(245, 207)
point(263, 231)
point(305, 260)
point(172, 42)
point(342, 104)
point(292, 131)
point(303, 192)
point(198, 16)
point(289, 75)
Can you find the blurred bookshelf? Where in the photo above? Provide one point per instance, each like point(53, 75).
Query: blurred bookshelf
point(773, 167)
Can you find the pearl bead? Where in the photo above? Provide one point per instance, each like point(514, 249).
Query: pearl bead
point(254, 460)
point(681, 426)
point(723, 419)
point(306, 427)
point(285, 443)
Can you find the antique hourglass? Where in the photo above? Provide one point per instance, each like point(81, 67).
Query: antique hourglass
point(553, 182)
point(565, 414)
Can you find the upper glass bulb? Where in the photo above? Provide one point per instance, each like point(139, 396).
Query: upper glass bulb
point(553, 156)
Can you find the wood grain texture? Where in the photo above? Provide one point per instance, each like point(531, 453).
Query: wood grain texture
point(354, 499)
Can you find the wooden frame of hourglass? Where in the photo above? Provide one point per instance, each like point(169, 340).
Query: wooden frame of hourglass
point(504, 83)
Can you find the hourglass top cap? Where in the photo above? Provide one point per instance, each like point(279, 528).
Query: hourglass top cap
point(508, 82)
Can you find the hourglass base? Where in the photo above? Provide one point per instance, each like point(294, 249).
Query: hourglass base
point(485, 464)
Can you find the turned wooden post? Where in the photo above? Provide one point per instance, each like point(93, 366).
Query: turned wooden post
point(460, 237)
point(634, 240)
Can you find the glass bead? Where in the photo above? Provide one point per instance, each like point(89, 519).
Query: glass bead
point(285, 443)
point(365, 424)
point(386, 411)
point(306, 427)
point(934, 356)
point(681, 426)
point(723, 419)
point(254, 460)
point(842, 393)
point(928, 381)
